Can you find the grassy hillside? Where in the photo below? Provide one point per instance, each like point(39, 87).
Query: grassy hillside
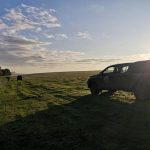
point(56, 111)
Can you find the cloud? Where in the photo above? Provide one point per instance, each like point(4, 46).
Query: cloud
point(15, 40)
point(98, 60)
point(39, 29)
point(24, 32)
point(137, 57)
point(60, 36)
point(28, 52)
point(17, 49)
point(84, 35)
point(41, 17)
point(50, 36)
point(26, 17)
point(2, 24)
point(21, 51)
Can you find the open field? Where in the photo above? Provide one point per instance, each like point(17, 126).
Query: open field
point(55, 111)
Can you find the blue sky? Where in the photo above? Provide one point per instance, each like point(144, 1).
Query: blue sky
point(66, 35)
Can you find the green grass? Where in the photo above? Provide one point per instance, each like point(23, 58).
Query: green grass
point(55, 111)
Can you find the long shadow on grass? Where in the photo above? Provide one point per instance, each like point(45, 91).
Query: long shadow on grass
point(87, 123)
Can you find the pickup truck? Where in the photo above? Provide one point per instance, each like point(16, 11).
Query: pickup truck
point(133, 77)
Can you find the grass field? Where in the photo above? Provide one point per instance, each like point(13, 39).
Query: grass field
point(55, 111)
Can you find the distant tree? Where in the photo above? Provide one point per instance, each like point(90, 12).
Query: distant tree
point(5, 72)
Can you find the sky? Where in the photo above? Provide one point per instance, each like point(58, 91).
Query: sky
point(72, 35)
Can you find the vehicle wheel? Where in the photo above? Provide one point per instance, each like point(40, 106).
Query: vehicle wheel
point(111, 91)
point(142, 92)
point(94, 90)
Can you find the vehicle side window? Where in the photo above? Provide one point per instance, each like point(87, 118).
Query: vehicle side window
point(109, 70)
point(124, 69)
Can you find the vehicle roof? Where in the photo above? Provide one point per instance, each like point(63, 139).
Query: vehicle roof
point(137, 62)
point(123, 64)
point(144, 61)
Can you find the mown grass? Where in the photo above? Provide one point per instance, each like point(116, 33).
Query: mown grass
point(56, 111)
point(35, 92)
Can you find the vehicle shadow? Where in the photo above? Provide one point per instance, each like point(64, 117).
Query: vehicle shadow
point(89, 122)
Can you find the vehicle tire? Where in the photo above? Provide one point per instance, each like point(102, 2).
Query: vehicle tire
point(94, 90)
point(111, 92)
point(142, 92)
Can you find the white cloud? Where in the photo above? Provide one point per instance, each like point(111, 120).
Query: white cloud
point(41, 17)
point(23, 31)
point(32, 55)
point(18, 40)
point(50, 36)
point(62, 36)
point(26, 17)
point(59, 36)
point(84, 35)
point(2, 24)
point(39, 29)
point(22, 51)
point(136, 57)
point(18, 49)
point(97, 60)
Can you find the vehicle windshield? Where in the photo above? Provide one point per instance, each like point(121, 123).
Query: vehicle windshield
point(110, 69)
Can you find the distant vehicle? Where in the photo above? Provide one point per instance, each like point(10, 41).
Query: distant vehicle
point(134, 77)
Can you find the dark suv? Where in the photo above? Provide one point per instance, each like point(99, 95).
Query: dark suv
point(134, 77)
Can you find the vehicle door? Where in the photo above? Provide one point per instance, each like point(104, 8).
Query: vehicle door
point(123, 78)
point(108, 77)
